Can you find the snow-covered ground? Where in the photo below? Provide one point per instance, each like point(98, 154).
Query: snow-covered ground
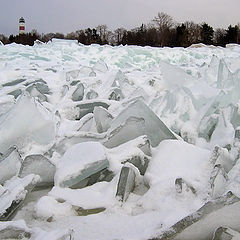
point(72, 110)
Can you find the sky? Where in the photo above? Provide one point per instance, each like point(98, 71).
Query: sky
point(66, 16)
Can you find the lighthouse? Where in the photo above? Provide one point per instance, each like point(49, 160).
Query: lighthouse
point(21, 26)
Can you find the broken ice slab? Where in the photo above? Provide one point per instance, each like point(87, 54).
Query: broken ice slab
point(39, 165)
point(222, 156)
point(235, 116)
point(73, 74)
point(144, 145)
point(237, 133)
point(80, 162)
point(126, 183)
point(64, 90)
point(132, 128)
point(140, 162)
point(218, 181)
point(102, 118)
point(66, 142)
point(207, 126)
point(226, 233)
point(155, 129)
point(15, 93)
point(116, 94)
point(224, 77)
point(87, 173)
point(120, 79)
point(224, 211)
point(33, 91)
point(26, 120)
point(78, 93)
point(14, 82)
point(10, 164)
point(100, 66)
point(91, 94)
point(182, 186)
point(15, 230)
point(14, 197)
point(88, 107)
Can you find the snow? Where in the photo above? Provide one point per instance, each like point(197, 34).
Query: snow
point(83, 106)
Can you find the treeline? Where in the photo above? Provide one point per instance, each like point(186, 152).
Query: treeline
point(162, 31)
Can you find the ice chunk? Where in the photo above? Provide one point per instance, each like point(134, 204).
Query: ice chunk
point(17, 190)
point(224, 75)
point(73, 74)
point(155, 129)
point(39, 165)
point(64, 90)
point(218, 181)
point(225, 233)
point(35, 93)
point(14, 82)
point(10, 164)
point(131, 129)
point(102, 118)
point(207, 126)
point(140, 162)
point(80, 162)
point(15, 230)
point(91, 94)
point(223, 157)
point(116, 94)
point(26, 120)
point(126, 183)
point(88, 107)
point(78, 93)
point(100, 66)
point(16, 93)
point(201, 225)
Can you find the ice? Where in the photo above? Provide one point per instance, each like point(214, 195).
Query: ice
point(91, 95)
point(100, 66)
point(225, 233)
point(16, 93)
point(15, 230)
point(102, 118)
point(10, 163)
point(218, 181)
point(126, 183)
point(26, 120)
point(38, 165)
point(155, 129)
point(88, 107)
point(34, 92)
point(78, 93)
point(223, 158)
point(202, 224)
point(17, 190)
point(122, 92)
point(131, 129)
point(80, 162)
point(116, 94)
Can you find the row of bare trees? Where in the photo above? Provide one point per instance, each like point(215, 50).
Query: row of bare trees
point(162, 31)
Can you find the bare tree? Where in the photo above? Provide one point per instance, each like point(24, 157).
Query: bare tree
point(119, 33)
point(164, 23)
point(194, 32)
point(102, 31)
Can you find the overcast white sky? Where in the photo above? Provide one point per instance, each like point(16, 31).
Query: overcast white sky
point(70, 15)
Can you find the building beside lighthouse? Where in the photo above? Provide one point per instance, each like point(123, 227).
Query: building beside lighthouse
point(21, 26)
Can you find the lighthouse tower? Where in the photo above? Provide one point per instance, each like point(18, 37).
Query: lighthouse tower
point(21, 26)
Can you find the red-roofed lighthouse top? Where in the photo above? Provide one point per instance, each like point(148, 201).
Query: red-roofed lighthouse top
point(21, 26)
